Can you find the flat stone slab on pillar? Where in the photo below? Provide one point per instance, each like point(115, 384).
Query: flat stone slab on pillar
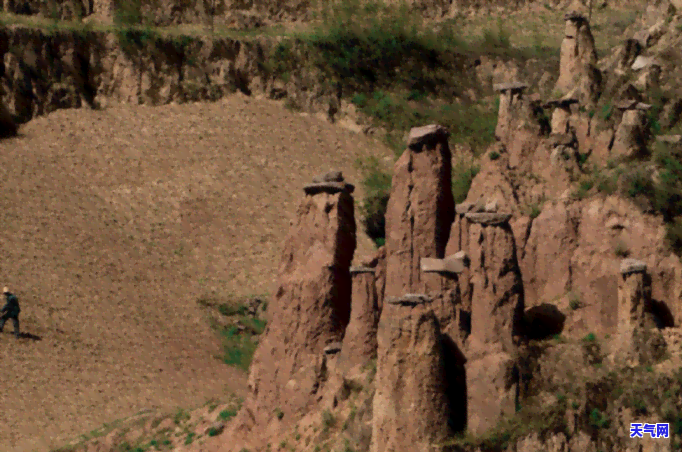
point(670, 139)
point(419, 136)
point(488, 218)
point(455, 263)
point(410, 299)
point(513, 86)
point(356, 270)
point(574, 16)
point(561, 103)
point(333, 348)
point(331, 176)
point(328, 187)
point(629, 266)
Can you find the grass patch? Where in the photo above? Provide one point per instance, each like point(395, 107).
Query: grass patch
point(662, 193)
point(239, 348)
point(574, 301)
point(583, 189)
point(328, 420)
point(180, 416)
point(621, 250)
point(463, 174)
point(531, 418)
point(377, 184)
point(227, 414)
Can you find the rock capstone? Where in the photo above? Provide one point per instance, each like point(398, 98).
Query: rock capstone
point(489, 218)
point(428, 136)
point(631, 135)
point(333, 348)
point(451, 264)
point(629, 266)
point(409, 300)
point(331, 176)
point(328, 187)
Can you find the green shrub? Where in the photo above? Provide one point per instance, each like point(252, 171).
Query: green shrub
point(328, 419)
point(494, 155)
point(497, 38)
point(227, 414)
point(462, 177)
point(574, 303)
point(583, 189)
point(590, 337)
point(231, 309)
point(598, 420)
point(239, 348)
point(365, 43)
point(377, 185)
point(621, 250)
point(128, 12)
point(639, 183)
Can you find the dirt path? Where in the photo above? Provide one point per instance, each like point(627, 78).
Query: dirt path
point(113, 223)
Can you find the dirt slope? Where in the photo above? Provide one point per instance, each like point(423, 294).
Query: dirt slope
point(113, 223)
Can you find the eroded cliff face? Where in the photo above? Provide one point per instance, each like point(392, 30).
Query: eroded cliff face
point(311, 309)
point(471, 313)
point(488, 311)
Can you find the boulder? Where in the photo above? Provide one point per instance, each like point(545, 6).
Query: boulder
point(629, 266)
point(451, 264)
point(411, 299)
point(328, 187)
point(643, 62)
point(331, 176)
point(310, 311)
point(631, 135)
point(420, 209)
point(489, 218)
point(333, 348)
point(513, 86)
point(410, 404)
point(426, 136)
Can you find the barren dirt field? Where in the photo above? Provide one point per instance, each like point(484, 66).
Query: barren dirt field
point(114, 223)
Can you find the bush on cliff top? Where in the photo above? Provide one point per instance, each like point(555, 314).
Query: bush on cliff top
point(401, 73)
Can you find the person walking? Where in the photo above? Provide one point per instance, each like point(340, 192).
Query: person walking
point(11, 310)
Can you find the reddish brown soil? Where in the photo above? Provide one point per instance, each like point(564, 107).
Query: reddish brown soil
point(114, 223)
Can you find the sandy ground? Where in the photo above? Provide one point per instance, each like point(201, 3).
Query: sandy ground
point(113, 224)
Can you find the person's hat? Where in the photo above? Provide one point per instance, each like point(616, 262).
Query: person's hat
point(5, 290)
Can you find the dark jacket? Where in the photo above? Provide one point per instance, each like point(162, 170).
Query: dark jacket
point(11, 308)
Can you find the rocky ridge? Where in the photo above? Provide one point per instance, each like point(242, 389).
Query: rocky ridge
point(476, 310)
point(474, 293)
